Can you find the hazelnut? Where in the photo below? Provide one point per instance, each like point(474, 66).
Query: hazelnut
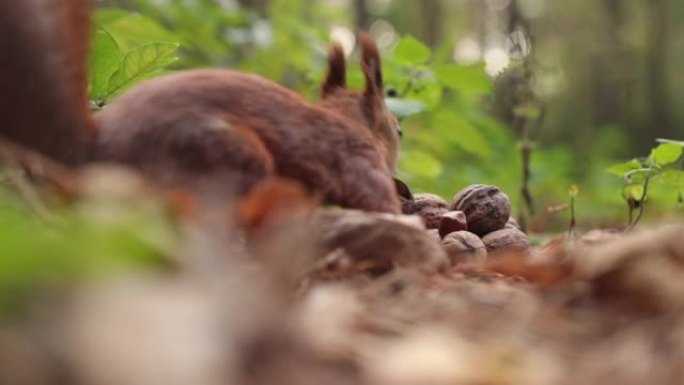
point(451, 222)
point(430, 208)
point(506, 239)
point(486, 208)
point(463, 246)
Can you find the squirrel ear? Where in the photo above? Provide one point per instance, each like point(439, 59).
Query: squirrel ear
point(370, 65)
point(336, 76)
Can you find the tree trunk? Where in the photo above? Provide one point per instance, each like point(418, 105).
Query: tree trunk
point(608, 69)
point(259, 6)
point(427, 14)
point(361, 15)
point(659, 123)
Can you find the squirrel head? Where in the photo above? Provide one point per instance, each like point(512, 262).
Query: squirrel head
point(366, 107)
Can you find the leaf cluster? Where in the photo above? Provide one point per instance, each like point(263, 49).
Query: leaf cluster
point(443, 104)
point(662, 167)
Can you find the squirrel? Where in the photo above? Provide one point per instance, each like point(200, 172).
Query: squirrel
point(217, 128)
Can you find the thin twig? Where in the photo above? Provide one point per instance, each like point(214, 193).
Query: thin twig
point(55, 173)
point(409, 85)
point(29, 193)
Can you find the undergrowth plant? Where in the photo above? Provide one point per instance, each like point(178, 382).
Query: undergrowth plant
point(662, 168)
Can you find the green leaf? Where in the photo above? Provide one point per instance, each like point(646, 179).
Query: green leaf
point(666, 153)
point(410, 50)
point(471, 78)
point(420, 85)
point(640, 175)
point(460, 132)
point(421, 164)
point(622, 168)
point(142, 62)
point(633, 191)
point(105, 59)
point(403, 108)
point(109, 15)
point(430, 94)
point(132, 29)
point(671, 178)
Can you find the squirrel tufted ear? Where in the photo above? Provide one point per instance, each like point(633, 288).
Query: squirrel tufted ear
point(370, 64)
point(336, 76)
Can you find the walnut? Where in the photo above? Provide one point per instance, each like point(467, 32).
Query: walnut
point(434, 234)
point(506, 239)
point(451, 222)
point(512, 223)
point(430, 208)
point(464, 246)
point(486, 208)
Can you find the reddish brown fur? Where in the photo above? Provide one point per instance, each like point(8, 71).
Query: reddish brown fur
point(370, 62)
point(43, 102)
point(197, 136)
point(367, 108)
point(272, 203)
point(203, 129)
point(336, 77)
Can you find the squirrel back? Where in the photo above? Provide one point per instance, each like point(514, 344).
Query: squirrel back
point(43, 77)
point(236, 128)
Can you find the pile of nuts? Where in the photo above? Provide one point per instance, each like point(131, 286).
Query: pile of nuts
point(477, 221)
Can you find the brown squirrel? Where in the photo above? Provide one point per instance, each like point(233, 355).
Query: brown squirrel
point(208, 127)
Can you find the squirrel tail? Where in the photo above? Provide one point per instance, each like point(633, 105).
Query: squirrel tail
point(43, 77)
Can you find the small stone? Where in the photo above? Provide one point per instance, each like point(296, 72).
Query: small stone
point(451, 222)
point(464, 246)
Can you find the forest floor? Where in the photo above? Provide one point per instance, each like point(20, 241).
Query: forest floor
point(344, 297)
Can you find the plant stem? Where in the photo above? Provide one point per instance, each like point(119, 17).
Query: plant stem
point(573, 222)
point(642, 203)
point(409, 85)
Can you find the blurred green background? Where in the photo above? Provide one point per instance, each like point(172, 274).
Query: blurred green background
point(571, 86)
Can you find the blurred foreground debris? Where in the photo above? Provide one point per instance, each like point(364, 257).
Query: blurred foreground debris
point(333, 296)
